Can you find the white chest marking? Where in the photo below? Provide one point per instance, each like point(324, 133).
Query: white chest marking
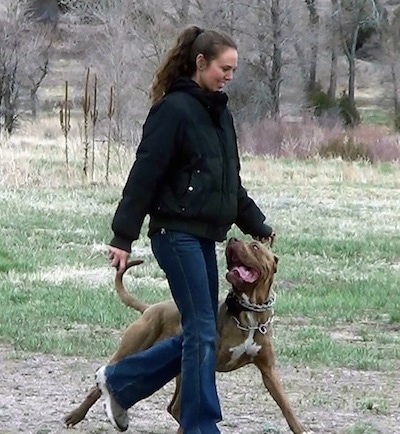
point(249, 346)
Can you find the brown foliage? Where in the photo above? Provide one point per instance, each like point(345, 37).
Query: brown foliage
point(307, 138)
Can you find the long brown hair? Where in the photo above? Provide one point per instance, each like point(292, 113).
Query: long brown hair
point(181, 58)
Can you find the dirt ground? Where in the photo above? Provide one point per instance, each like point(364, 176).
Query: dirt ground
point(37, 390)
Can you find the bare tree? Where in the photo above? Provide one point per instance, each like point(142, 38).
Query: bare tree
point(353, 16)
point(276, 61)
point(225, 15)
point(36, 70)
point(179, 12)
point(256, 89)
point(314, 21)
point(391, 38)
point(9, 58)
point(127, 43)
point(43, 11)
point(24, 59)
point(333, 48)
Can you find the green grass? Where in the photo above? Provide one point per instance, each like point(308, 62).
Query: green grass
point(316, 347)
point(377, 116)
point(8, 261)
point(362, 428)
point(338, 280)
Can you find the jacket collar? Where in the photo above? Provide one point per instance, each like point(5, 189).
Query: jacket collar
point(214, 102)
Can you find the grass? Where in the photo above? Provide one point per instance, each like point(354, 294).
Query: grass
point(362, 428)
point(377, 116)
point(338, 241)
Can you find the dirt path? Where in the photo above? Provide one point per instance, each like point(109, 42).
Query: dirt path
point(36, 391)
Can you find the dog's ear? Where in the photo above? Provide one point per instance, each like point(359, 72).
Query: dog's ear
point(276, 259)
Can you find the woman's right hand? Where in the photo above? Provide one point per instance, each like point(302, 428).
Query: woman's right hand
point(118, 257)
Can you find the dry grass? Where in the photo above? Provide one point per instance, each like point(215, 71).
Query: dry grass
point(35, 157)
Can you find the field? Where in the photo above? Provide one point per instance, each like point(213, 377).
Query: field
point(337, 325)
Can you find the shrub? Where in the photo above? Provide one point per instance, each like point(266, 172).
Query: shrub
point(345, 147)
point(306, 137)
point(321, 102)
point(348, 112)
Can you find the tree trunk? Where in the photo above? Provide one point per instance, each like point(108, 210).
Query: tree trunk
point(396, 102)
point(35, 84)
point(351, 57)
point(333, 74)
point(334, 52)
point(231, 17)
point(183, 12)
point(351, 81)
point(276, 67)
point(349, 48)
point(9, 109)
point(314, 24)
point(33, 103)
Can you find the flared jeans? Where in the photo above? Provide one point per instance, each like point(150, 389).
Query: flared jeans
point(190, 265)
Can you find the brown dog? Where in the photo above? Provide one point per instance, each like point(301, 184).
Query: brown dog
point(244, 326)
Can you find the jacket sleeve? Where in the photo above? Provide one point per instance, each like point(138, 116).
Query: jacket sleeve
point(162, 132)
point(250, 219)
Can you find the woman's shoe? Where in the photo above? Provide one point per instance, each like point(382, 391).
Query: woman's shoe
point(117, 415)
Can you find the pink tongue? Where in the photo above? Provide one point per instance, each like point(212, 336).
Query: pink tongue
point(246, 274)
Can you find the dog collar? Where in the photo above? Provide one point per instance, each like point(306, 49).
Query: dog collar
point(236, 304)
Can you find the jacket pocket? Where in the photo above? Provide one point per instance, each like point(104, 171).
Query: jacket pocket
point(195, 193)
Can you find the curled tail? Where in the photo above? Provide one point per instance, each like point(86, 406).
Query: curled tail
point(128, 299)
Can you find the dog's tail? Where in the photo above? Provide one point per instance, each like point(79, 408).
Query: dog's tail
point(128, 299)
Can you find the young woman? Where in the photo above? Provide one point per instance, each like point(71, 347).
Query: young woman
point(186, 178)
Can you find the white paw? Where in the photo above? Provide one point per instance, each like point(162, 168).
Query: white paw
point(307, 432)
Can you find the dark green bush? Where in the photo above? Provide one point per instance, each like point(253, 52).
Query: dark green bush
point(348, 112)
point(321, 102)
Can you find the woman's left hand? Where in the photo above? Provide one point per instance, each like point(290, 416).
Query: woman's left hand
point(270, 239)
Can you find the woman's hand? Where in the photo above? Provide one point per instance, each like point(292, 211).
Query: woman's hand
point(118, 257)
point(270, 239)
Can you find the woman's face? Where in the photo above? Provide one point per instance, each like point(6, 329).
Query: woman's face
point(213, 75)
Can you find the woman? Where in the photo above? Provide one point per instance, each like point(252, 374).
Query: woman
point(186, 178)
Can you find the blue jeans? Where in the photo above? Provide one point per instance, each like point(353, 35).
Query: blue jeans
point(190, 265)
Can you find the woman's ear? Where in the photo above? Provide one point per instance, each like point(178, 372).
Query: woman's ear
point(201, 62)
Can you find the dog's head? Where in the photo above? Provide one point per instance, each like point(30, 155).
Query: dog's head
point(251, 269)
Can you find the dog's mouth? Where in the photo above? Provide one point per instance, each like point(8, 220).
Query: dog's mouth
point(239, 271)
point(246, 274)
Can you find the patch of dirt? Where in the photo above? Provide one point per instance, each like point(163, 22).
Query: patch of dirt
point(37, 390)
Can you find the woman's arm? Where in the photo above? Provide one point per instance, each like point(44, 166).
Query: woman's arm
point(162, 132)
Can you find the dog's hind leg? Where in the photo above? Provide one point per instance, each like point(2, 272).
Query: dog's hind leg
point(134, 339)
point(174, 407)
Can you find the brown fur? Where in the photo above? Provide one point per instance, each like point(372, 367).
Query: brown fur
point(162, 319)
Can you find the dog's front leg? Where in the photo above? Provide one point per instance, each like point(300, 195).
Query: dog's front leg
point(266, 364)
point(75, 416)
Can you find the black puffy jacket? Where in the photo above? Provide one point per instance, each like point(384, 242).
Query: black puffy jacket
point(186, 173)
